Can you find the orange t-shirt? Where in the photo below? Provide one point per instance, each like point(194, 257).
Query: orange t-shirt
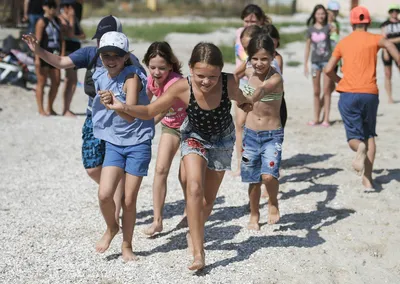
point(359, 55)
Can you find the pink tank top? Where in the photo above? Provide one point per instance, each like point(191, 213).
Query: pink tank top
point(177, 113)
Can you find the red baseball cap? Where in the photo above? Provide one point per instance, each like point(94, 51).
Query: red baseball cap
point(360, 15)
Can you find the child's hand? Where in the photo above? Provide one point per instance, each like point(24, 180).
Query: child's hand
point(31, 41)
point(306, 72)
point(108, 99)
point(246, 107)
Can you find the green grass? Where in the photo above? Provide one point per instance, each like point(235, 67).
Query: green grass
point(291, 37)
point(157, 32)
point(293, 63)
point(228, 52)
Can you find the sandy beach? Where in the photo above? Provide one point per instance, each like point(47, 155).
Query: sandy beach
point(331, 230)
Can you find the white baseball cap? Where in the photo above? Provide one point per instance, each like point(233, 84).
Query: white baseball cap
point(333, 5)
point(114, 42)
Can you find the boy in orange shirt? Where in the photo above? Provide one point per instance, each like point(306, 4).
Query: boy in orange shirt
point(358, 103)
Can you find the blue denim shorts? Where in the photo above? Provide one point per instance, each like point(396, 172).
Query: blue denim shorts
point(359, 113)
point(318, 66)
point(93, 149)
point(216, 149)
point(262, 154)
point(134, 159)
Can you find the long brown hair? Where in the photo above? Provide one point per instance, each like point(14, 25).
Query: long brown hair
point(208, 53)
point(164, 50)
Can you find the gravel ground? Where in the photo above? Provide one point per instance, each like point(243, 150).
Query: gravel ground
point(331, 230)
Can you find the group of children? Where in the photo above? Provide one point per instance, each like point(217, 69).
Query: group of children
point(195, 113)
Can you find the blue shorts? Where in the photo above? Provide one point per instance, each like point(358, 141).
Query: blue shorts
point(134, 160)
point(317, 66)
point(262, 154)
point(216, 149)
point(93, 149)
point(359, 113)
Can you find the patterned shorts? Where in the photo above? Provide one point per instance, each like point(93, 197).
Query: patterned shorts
point(93, 149)
point(216, 149)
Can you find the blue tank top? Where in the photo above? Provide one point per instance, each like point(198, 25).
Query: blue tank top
point(107, 124)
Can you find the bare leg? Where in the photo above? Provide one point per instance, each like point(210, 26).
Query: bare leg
point(71, 79)
point(94, 174)
point(240, 119)
point(183, 181)
point(42, 73)
point(167, 148)
point(388, 82)
point(55, 83)
point(110, 176)
point(327, 99)
point(195, 167)
point(132, 185)
point(369, 163)
point(254, 197)
point(359, 160)
point(119, 193)
point(317, 100)
point(272, 185)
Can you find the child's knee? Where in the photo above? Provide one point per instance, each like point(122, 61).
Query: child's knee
point(105, 195)
point(267, 179)
point(194, 189)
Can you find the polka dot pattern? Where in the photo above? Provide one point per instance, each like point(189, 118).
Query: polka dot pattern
point(210, 122)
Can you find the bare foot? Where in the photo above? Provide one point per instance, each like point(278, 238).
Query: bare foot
point(51, 112)
point(367, 182)
point(391, 101)
point(198, 262)
point(69, 114)
point(153, 229)
point(236, 173)
point(273, 214)
point(128, 255)
point(189, 243)
point(253, 222)
point(103, 244)
point(359, 160)
point(43, 113)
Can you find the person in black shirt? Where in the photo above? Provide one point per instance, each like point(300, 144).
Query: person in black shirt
point(391, 30)
point(49, 37)
point(32, 13)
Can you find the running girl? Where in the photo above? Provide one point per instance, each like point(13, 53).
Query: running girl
point(128, 139)
point(263, 132)
point(208, 133)
point(165, 70)
point(318, 36)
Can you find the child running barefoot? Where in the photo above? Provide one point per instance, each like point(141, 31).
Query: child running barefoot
point(128, 139)
point(93, 149)
point(208, 133)
point(165, 70)
point(358, 103)
point(318, 35)
point(252, 15)
point(263, 132)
